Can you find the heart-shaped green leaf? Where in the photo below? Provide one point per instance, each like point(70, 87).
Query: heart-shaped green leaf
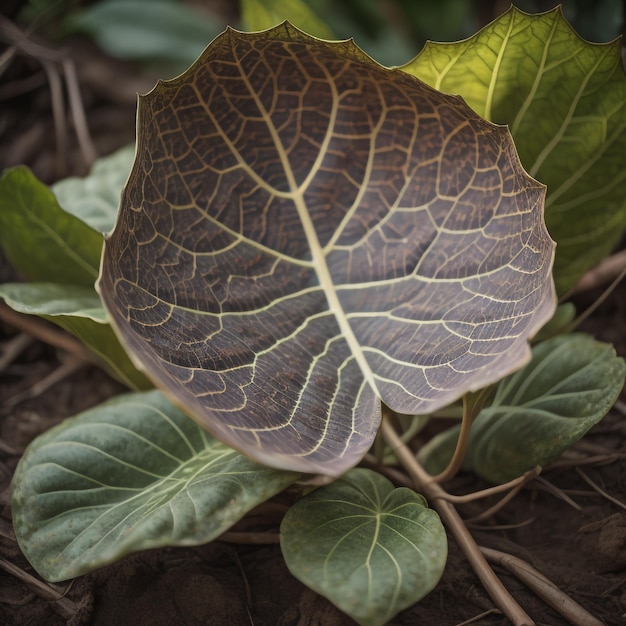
point(306, 233)
point(370, 549)
point(564, 100)
point(131, 474)
point(538, 412)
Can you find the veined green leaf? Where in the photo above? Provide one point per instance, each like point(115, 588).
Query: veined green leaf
point(78, 310)
point(306, 233)
point(538, 412)
point(131, 474)
point(95, 198)
point(564, 100)
point(41, 240)
point(369, 548)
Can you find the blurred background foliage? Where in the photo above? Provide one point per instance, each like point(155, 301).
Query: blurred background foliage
point(59, 58)
point(172, 33)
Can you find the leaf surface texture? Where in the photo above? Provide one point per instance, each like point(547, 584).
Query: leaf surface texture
point(306, 233)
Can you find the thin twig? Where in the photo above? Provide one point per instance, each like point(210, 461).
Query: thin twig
point(72, 365)
point(12, 34)
point(435, 494)
point(58, 114)
point(66, 607)
point(604, 272)
point(6, 58)
point(474, 619)
point(545, 485)
point(527, 522)
point(544, 588)
point(598, 460)
point(597, 488)
point(43, 331)
point(90, 154)
point(13, 348)
point(591, 309)
point(514, 485)
point(249, 538)
point(52, 61)
point(492, 510)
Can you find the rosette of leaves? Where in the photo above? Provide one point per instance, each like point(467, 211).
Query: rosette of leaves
point(306, 234)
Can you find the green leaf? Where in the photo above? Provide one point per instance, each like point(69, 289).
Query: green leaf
point(78, 310)
point(95, 198)
point(306, 233)
point(370, 549)
point(52, 299)
point(564, 100)
point(263, 14)
point(538, 412)
point(131, 474)
point(42, 241)
point(59, 244)
point(149, 30)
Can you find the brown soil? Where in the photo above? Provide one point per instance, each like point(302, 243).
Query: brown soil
point(579, 545)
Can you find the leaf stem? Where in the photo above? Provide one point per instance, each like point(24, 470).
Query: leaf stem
point(472, 405)
point(436, 494)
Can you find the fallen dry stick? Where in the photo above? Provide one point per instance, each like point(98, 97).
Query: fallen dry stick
point(544, 588)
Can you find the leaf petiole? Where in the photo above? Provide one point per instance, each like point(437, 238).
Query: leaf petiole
point(473, 403)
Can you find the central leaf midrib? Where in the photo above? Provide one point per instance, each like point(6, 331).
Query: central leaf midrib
point(318, 257)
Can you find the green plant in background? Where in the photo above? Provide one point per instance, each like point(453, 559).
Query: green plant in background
point(303, 235)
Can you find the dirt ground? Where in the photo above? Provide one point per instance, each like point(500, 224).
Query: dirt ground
point(570, 524)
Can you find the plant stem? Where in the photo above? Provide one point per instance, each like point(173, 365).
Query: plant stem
point(472, 405)
point(435, 494)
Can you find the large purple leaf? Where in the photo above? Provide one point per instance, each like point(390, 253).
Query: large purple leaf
point(306, 233)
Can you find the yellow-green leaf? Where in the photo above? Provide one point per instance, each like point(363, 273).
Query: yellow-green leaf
point(263, 14)
point(564, 100)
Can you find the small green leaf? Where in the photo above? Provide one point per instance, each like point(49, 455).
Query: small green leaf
point(95, 198)
point(564, 100)
point(41, 240)
point(53, 299)
point(262, 14)
point(538, 412)
point(132, 474)
point(369, 548)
